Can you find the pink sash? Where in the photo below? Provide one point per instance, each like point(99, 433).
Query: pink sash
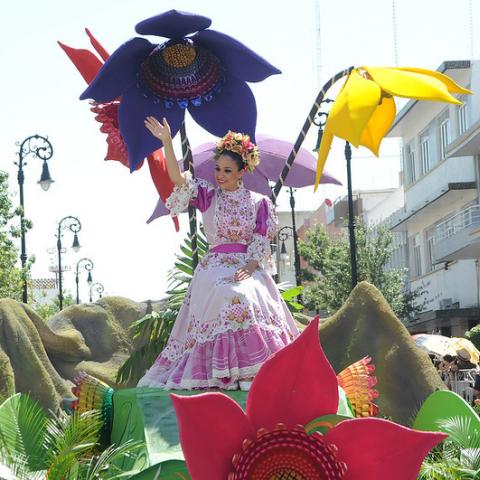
point(229, 248)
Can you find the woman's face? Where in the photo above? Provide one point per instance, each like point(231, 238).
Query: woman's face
point(227, 174)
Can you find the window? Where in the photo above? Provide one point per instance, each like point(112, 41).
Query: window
point(425, 153)
point(430, 244)
point(409, 156)
point(416, 260)
point(462, 118)
point(444, 122)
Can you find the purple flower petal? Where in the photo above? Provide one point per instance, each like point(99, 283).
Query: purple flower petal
point(240, 61)
point(233, 108)
point(133, 110)
point(173, 24)
point(119, 72)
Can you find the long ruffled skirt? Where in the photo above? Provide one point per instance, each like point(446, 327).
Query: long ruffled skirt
point(225, 330)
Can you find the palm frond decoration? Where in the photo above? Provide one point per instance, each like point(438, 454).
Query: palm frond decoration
point(457, 457)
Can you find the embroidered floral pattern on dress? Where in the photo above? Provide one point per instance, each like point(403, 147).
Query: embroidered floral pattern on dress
point(235, 216)
point(182, 195)
point(237, 314)
point(212, 260)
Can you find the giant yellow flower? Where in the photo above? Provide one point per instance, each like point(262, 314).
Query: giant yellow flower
point(365, 109)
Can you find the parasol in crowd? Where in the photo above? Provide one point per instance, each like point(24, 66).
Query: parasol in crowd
point(441, 346)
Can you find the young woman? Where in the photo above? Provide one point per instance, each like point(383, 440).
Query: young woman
point(233, 317)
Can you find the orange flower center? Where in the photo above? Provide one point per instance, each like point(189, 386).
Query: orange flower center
point(179, 55)
point(287, 454)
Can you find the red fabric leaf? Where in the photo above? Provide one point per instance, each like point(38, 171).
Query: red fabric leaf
point(211, 428)
point(163, 184)
point(294, 386)
point(86, 62)
point(377, 449)
point(97, 46)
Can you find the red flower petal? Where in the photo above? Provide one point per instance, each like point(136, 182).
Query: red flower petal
point(211, 428)
point(377, 449)
point(294, 386)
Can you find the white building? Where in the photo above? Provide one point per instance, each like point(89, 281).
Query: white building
point(440, 220)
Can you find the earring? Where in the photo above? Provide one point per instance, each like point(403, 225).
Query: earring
point(239, 183)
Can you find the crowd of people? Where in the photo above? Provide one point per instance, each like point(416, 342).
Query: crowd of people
point(459, 368)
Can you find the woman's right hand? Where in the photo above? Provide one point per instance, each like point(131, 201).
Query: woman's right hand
point(162, 132)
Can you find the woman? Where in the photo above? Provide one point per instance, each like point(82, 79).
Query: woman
point(233, 317)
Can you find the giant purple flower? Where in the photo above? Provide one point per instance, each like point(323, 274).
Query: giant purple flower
point(198, 69)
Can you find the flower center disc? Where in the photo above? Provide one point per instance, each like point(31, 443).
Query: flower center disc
point(287, 454)
point(182, 73)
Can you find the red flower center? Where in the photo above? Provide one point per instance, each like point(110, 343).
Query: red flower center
point(287, 454)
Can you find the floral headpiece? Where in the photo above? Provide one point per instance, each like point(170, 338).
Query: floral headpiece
point(240, 144)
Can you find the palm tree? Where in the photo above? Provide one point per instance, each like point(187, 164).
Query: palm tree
point(34, 445)
point(457, 457)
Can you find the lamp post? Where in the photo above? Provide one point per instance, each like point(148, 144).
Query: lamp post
point(38, 147)
point(283, 235)
point(74, 225)
point(98, 287)
point(88, 265)
point(321, 121)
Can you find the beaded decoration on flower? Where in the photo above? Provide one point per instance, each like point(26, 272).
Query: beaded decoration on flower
point(287, 454)
point(240, 143)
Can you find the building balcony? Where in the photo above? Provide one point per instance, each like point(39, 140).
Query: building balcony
point(338, 213)
point(458, 237)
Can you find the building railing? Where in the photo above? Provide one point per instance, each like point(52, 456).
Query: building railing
point(462, 220)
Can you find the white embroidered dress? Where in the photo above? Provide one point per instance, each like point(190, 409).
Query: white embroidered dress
point(225, 329)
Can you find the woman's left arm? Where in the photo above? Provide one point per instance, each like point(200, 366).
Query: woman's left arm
point(258, 251)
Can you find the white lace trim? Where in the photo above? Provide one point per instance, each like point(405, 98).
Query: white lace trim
point(182, 195)
point(259, 249)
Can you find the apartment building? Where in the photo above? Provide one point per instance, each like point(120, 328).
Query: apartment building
point(439, 224)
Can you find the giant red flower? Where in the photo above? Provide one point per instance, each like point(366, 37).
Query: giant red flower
point(272, 439)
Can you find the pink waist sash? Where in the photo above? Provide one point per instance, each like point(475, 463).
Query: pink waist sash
point(229, 248)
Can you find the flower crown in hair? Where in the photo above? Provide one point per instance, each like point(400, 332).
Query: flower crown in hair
point(240, 144)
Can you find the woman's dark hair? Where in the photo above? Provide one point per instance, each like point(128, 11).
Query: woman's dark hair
point(448, 358)
point(234, 156)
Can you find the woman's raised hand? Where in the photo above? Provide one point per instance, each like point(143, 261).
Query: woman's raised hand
point(159, 130)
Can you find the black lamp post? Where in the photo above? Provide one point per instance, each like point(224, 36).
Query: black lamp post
point(284, 234)
point(321, 121)
point(98, 287)
point(88, 265)
point(38, 147)
point(74, 225)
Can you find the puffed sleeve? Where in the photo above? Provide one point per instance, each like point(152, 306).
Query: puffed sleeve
point(195, 191)
point(264, 233)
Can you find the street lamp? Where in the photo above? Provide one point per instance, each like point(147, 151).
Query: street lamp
point(284, 234)
point(321, 121)
point(38, 147)
point(74, 225)
point(98, 287)
point(88, 265)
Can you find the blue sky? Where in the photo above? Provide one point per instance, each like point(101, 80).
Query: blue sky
point(41, 89)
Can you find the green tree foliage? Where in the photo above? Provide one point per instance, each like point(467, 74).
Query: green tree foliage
point(11, 277)
point(474, 335)
point(330, 281)
point(48, 310)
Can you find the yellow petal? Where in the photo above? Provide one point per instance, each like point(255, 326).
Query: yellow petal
point(378, 125)
point(322, 155)
point(353, 108)
point(407, 84)
point(452, 86)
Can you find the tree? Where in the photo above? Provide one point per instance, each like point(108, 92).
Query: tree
point(330, 281)
point(48, 310)
point(11, 277)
